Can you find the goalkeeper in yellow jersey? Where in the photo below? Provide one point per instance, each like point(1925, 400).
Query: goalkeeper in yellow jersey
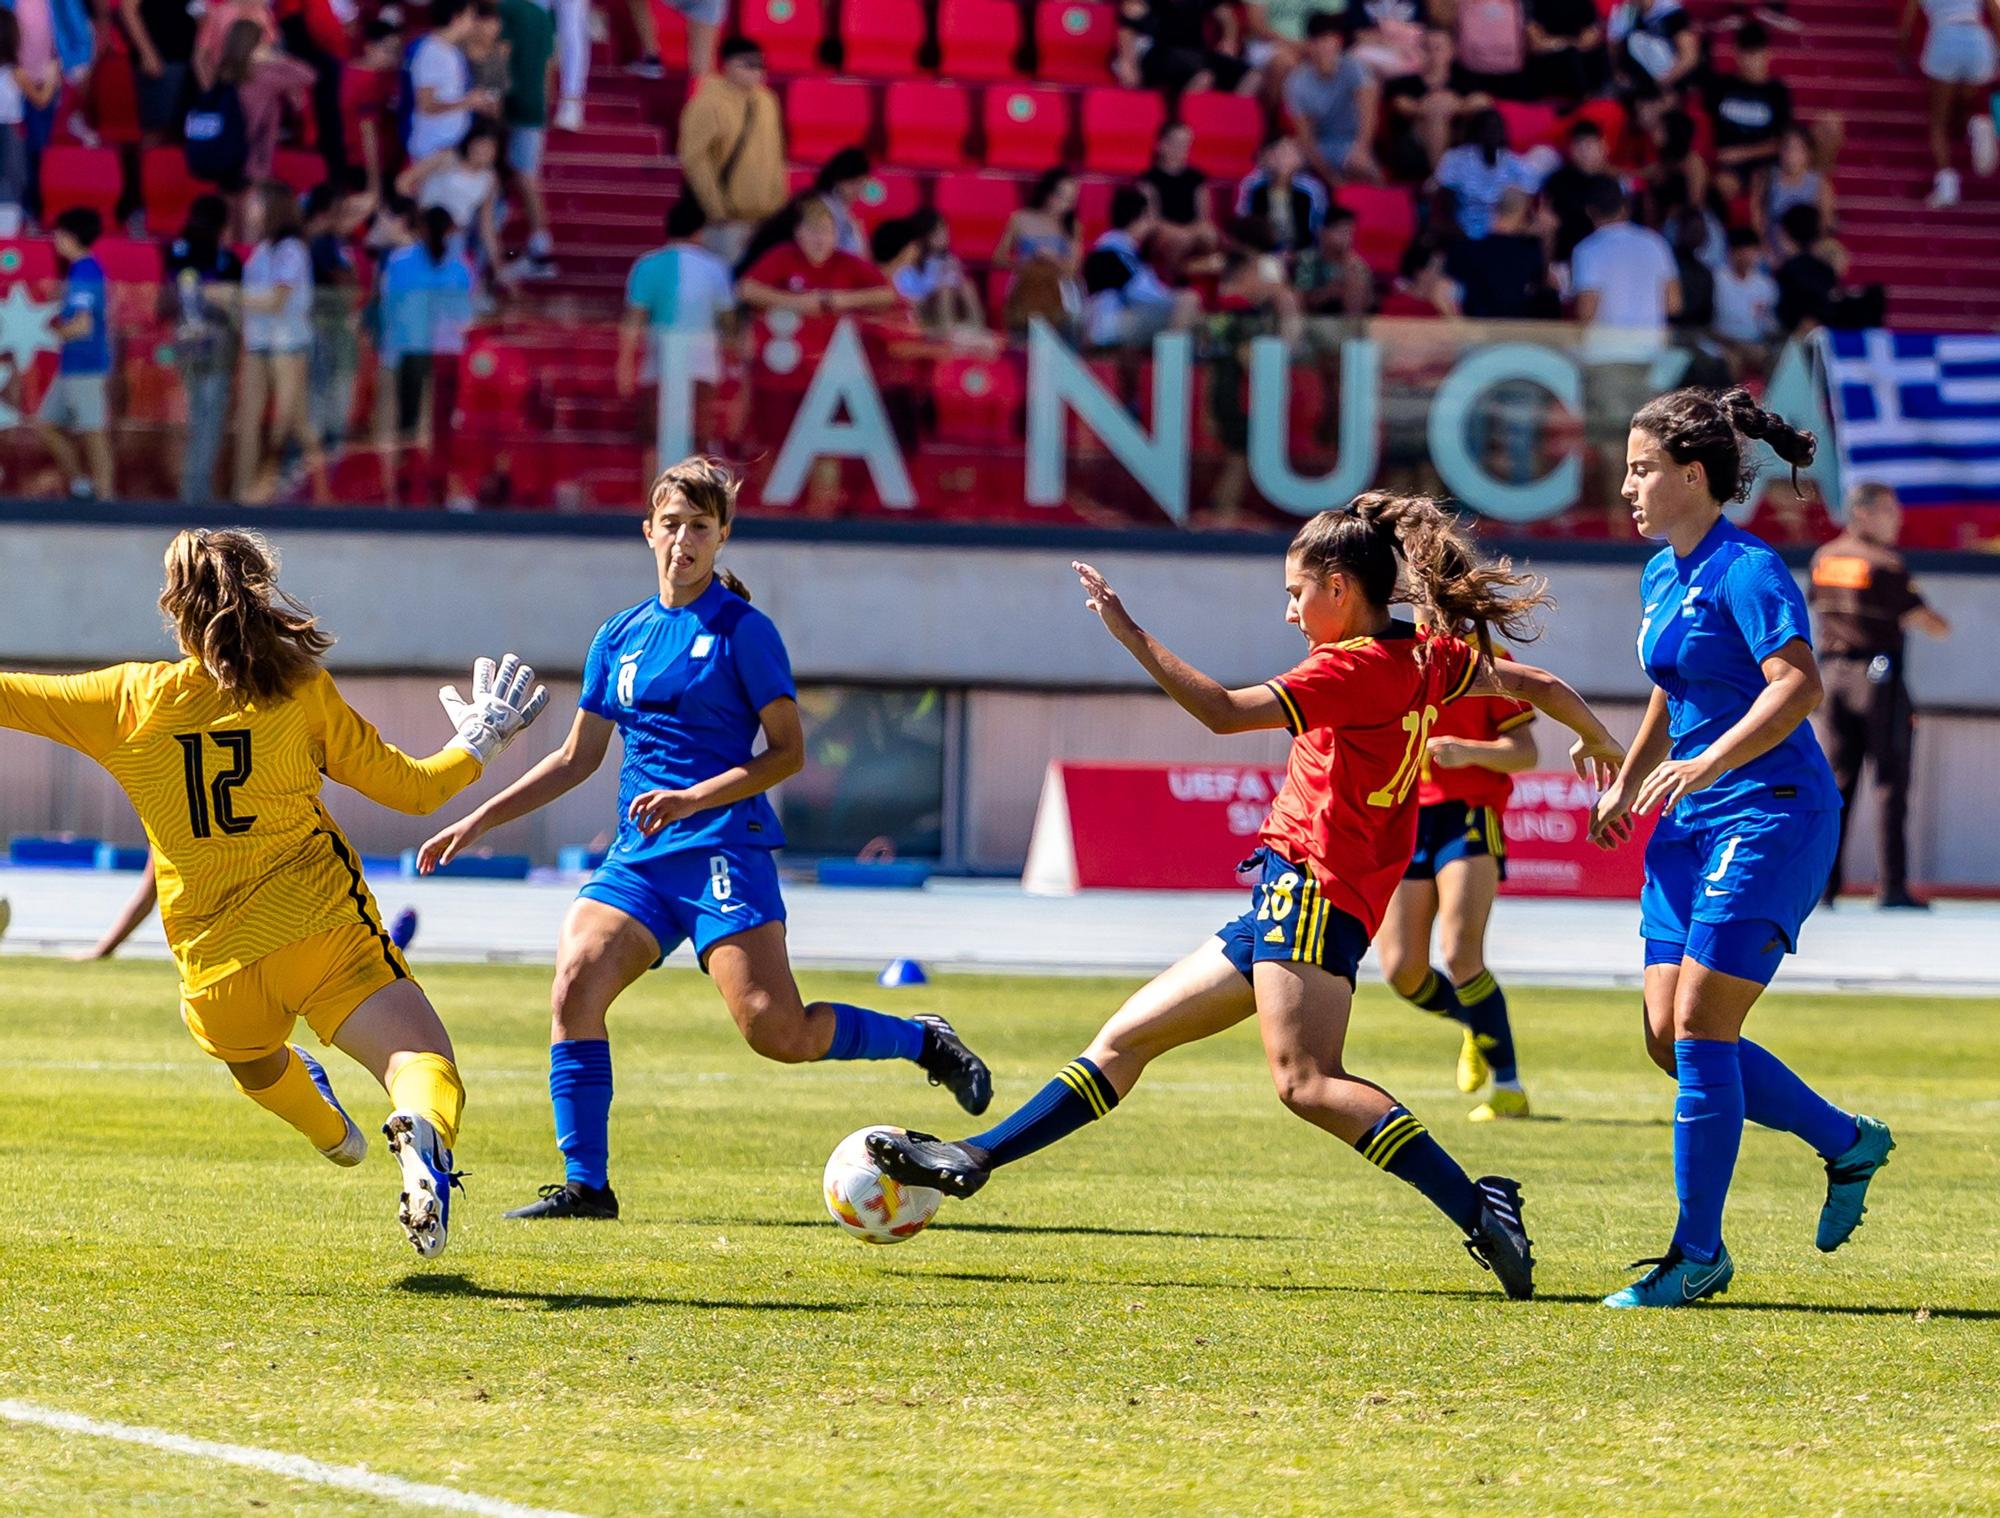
point(223, 754)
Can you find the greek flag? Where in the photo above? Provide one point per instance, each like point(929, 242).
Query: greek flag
point(1918, 411)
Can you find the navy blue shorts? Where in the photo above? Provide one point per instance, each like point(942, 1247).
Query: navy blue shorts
point(1289, 920)
point(1732, 896)
point(707, 895)
point(1454, 830)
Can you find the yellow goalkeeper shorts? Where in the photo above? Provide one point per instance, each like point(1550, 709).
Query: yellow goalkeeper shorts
point(322, 979)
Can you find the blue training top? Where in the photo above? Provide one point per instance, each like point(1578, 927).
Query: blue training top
point(685, 684)
point(1711, 620)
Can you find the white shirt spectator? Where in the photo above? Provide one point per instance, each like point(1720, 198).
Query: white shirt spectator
point(289, 328)
point(441, 67)
point(1478, 185)
point(1629, 268)
point(1746, 309)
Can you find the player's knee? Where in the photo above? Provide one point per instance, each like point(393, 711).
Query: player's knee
point(774, 1031)
point(1303, 1090)
point(1462, 964)
point(1660, 1050)
point(576, 1009)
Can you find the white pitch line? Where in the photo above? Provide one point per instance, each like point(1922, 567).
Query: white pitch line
point(347, 1478)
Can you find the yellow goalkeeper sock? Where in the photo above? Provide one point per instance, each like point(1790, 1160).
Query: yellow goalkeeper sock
point(428, 1085)
point(294, 1097)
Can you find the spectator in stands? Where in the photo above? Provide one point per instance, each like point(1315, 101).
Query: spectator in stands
point(1125, 302)
point(1180, 45)
point(486, 55)
point(334, 211)
point(1792, 181)
point(1504, 275)
point(1959, 59)
point(704, 18)
point(1624, 278)
point(813, 279)
point(840, 182)
point(1039, 245)
point(1274, 34)
point(1655, 50)
point(732, 148)
point(1334, 99)
point(572, 19)
point(1490, 39)
point(1334, 279)
point(276, 301)
point(213, 33)
point(316, 33)
point(914, 254)
point(681, 289)
point(1812, 288)
point(530, 34)
point(426, 307)
point(162, 34)
point(1566, 192)
point(39, 72)
point(465, 180)
point(1746, 305)
point(1421, 287)
point(204, 338)
point(1750, 110)
point(1424, 111)
point(73, 413)
point(1677, 176)
point(1392, 37)
point(1279, 206)
point(1187, 238)
point(13, 133)
point(1686, 231)
point(266, 81)
point(1566, 61)
point(1473, 178)
point(443, 100)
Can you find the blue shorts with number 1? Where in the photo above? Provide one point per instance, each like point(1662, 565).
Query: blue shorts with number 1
point(1732, 895)
point(706, 895)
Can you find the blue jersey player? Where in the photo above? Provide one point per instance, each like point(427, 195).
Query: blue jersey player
point(1749, 827)
point(689, 677)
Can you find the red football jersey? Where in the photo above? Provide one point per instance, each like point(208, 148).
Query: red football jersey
point(1359, 713)
point(1483, 718)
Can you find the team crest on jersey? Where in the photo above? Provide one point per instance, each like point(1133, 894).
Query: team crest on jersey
point(702, 645)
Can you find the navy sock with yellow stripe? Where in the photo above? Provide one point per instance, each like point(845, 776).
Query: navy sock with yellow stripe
point(1486, 1015)
point(1079, 1094)
point(1436, 995)
point(1402, 1146)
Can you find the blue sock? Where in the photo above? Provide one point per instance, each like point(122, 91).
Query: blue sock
point(1079, 1094)
point(580, 1092)
point(1776, 1098)
point(1486, 1015)
point(861, 1034)
point(1404, 1147)
point(1436, 995)
point(1708, 1128)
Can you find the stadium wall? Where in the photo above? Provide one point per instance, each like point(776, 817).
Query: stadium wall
point(991, 617)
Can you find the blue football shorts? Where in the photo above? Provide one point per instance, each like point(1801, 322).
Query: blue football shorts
point(1452, 830)
point(705, 894)
point(1290, 920)
point(1733, 895)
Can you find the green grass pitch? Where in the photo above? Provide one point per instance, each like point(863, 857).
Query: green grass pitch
point(1199, 1306)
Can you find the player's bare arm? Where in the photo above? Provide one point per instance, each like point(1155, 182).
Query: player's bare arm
point(783, 756)
point(1596, 755)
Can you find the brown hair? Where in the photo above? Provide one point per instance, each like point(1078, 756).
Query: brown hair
point(239, 46)
point(282, 218)
point(1707, 428)
point(710, 489)
point(223, 603)
point(1409, 548)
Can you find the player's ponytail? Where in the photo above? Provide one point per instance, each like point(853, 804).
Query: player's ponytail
point(1410, 549)
point(707, 487)
point(223, 604)
point(1702, 427)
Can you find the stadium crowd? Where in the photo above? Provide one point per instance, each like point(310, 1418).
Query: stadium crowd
point(340, 195)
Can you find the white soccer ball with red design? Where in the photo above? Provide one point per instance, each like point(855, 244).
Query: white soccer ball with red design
point(864, 1201)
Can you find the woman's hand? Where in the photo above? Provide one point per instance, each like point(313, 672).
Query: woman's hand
point(1597, 759)
point(1449, 753)
point(1673, 782)
point(1102, 599)
point(448, 845)
point(1610, 819)
point(656, 809)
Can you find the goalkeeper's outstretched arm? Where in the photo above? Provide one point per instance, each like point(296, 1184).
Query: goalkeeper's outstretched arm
point(561, 772)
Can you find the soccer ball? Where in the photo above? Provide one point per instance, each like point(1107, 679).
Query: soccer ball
point(864, 1201)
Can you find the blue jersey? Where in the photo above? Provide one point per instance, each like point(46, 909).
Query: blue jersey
point(83, 294)
point(685, 684)
point(1711, 620)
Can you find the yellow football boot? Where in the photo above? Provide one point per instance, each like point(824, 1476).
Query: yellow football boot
point(1502, 1106)
point(1473, 1071)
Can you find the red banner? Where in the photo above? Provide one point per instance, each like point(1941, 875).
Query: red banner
point(1185, 827)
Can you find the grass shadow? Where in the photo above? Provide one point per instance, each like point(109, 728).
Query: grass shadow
point(1084, 1229)
point(452, 1285)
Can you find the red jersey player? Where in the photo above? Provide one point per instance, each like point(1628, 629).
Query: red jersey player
point(1475, 749)
point(1361, 706)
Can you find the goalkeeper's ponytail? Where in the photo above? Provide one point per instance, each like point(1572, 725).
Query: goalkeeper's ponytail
point(709, 488)
point(224, 606)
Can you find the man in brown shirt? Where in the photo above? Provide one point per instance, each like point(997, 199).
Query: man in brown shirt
point(1863, 599)
point(732, 149)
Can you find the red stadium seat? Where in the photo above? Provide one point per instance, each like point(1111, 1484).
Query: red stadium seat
point(976, 207)
point(1530, 124)
point(302, 171)
point(170, 189)
point(925, 123)
point(1073, 41)
point(822, 116)
point(977, 39)
point(80, 177)
point(1093, 208)
point(1026, 128)
point(880, 38)
point(1119, 127)
point(26, 260)
point(889, 193)
point(1385, 219)
point(789, 32)
point(114, 97)
point(1228, 129)
point(128, 260)
point(978, 400)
